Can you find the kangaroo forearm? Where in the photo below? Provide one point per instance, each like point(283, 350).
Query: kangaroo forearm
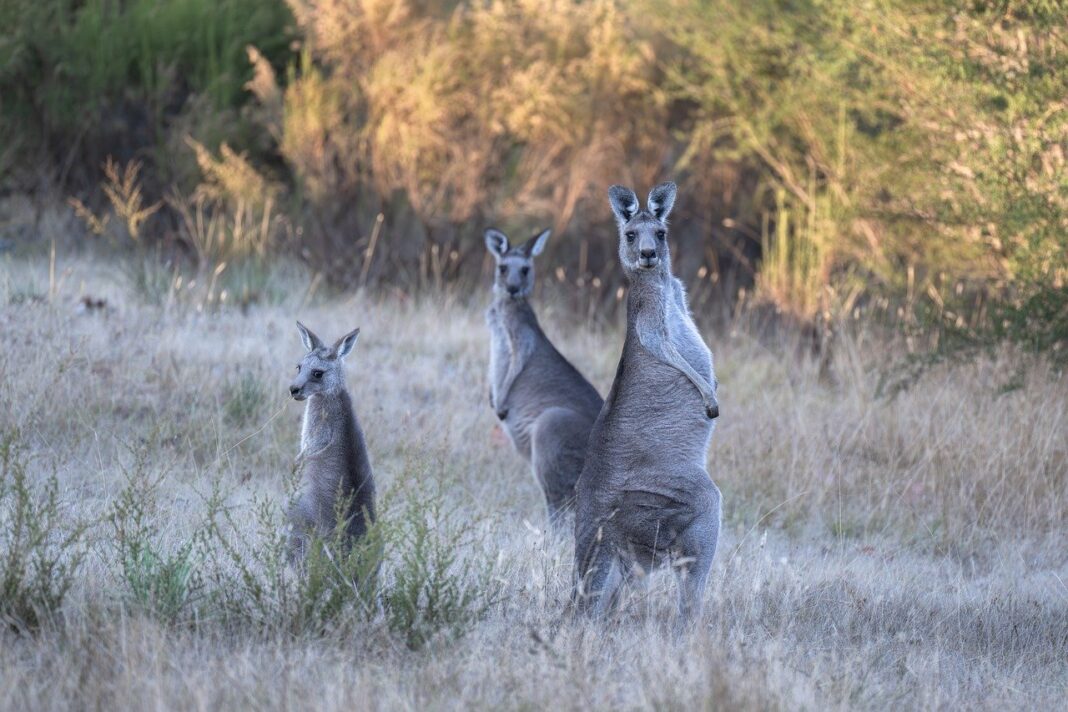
point(506, 385)
point(703, 386)
point(666, 352)
point(502, 398)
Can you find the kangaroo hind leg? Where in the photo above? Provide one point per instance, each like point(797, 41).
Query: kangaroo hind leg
point(697, 549)
point(557, 452)
point(597, 573)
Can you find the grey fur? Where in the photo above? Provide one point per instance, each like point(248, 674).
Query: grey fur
point(544, 403)
point(336, 471)
point(644, 496)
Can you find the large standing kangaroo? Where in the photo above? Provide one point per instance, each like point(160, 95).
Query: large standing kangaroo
point(644, 496)
point(546, 406)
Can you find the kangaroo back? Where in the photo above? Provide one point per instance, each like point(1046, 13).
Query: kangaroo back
point(357, 481)
point(545, 405)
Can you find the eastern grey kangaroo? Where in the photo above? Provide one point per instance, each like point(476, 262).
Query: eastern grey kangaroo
point(644, 496)
point(333, 456)
point(544, 403)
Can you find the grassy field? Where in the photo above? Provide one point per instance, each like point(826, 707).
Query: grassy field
point(890, 539)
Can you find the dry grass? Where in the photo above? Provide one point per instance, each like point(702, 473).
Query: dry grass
point(904, 549)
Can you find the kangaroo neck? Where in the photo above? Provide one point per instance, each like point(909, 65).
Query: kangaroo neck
point(517, 311)
point(648, 292)
point(329, 402)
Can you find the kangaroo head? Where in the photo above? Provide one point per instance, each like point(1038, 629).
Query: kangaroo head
point(514, 276)
point(322, 368)
point(643, 244)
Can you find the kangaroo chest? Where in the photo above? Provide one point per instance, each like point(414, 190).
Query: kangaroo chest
point(657, 414)
point(663, 318)
point(500, 350)
point(315, 430)
point(512, 343)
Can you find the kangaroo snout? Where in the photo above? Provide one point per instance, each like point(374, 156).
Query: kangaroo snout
point(295, 392)
point(513, 289)
point(647, 258)
point(713, 411)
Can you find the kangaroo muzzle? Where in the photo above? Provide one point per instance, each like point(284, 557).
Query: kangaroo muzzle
point(647, 257)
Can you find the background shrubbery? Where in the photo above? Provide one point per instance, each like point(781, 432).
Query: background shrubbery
point(834, 157)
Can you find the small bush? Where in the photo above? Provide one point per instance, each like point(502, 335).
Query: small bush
point(433, 591)
point(40, 552)
point(406, 572)
point(162, 582)
point(159, 583)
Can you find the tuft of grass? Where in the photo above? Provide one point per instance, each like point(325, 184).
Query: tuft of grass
point(797, 258)
point(125, 193)
point(243, 399)
point(162, 584)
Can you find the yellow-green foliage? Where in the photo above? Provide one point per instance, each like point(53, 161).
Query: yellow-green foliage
point(859, 138)
point(514, 110)
point(910, 151)
point(918, 120)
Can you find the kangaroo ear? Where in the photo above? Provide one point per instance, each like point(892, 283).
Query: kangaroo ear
point(661, 200)
point(310, 340)
point(536, 244)
point(496, 242)
point(345, 343)
point(624, 203)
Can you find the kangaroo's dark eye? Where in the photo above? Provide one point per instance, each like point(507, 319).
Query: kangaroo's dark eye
point(525, 271)
point(298, 368)
point(631, 235)
point(661, 234)
point(317, 374)
point(502, 269)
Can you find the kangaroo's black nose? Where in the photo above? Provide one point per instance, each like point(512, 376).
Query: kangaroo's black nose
point(294, 390)
point(513, 289)
point(713, 412)
point(648, 253)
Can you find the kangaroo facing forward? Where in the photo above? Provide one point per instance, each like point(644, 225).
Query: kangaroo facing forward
point(544, 403)
point(337, 475)
point(644, 496)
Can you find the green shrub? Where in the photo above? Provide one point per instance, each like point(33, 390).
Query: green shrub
point(159, 583)
point(84, 53)
point(160, 579)
point(98, 77)
point(41, 547)
point(433, 592)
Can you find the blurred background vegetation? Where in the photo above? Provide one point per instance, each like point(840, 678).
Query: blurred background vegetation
point(903, 161)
